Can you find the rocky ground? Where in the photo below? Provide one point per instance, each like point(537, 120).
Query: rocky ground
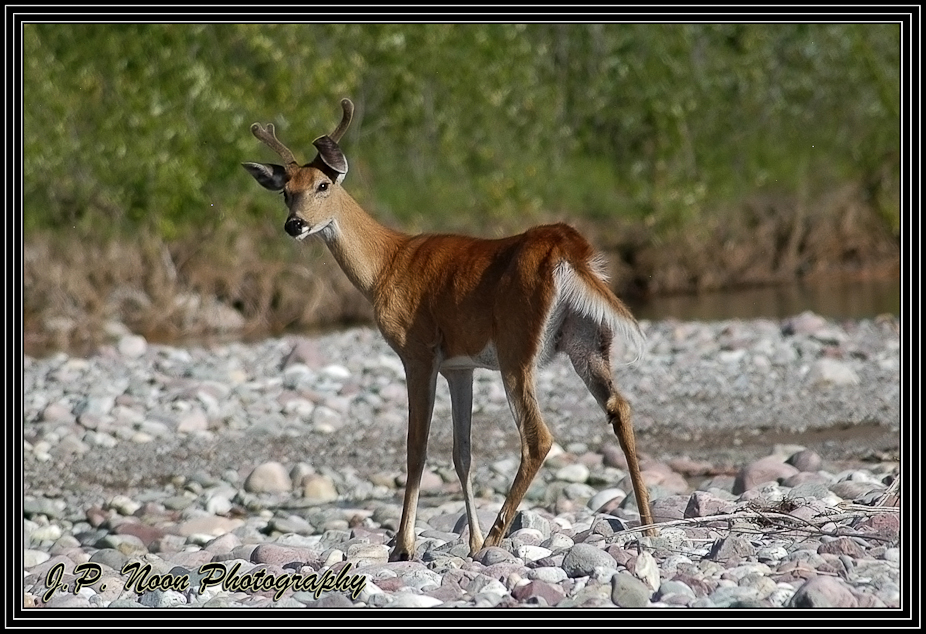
point(269, 470)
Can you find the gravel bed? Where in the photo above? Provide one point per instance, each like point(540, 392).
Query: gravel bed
point(270, 475)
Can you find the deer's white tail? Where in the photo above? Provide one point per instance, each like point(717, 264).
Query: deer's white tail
point(583, 288)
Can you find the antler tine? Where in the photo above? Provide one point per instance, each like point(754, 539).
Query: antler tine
point(268, 136)
point(348, 107)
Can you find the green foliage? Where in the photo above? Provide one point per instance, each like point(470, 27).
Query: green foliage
point(458, 126)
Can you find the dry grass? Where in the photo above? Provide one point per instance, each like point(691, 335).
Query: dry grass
point(77, 290)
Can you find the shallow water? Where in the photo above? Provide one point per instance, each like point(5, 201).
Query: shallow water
point(839, 299)
point(834, 299)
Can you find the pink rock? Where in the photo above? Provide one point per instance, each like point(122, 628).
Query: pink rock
point(689, 467)
point(804, 477)
point(56, 413)
point(280, 555)
point(502, 570)
point(191, 559)
point(768, 469)
point(662, 477)
point(622, 556)
point(389, 584)
point(209, 525)
point(702, 586)
point(430, 481)
point(552, 594)
point(223, 543)
point(886, 525)
point(307, 352)
point(704, 504)
point(613, 456)
point(147, 534)
point(193, 421)
point(842, 546)
point(96, 516)
point(444, 593)
point(669, 508)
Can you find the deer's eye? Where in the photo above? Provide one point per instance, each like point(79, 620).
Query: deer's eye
point(323, 186)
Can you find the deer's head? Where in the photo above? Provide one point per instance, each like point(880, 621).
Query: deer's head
point(309, 190)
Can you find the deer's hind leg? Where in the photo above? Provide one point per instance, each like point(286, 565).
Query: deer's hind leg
point(536, 441)
point(588, 346)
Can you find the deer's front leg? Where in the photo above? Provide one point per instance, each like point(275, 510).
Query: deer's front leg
point(460, 383)
point(421, 378)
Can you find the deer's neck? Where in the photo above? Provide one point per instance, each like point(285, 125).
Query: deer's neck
point(362, 246)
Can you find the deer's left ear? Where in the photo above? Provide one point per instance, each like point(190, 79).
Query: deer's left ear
point(331, 155)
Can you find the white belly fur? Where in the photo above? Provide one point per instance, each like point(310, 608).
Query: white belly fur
point(488, 356)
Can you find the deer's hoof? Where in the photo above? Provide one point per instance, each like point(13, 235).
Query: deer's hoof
point(400, 555)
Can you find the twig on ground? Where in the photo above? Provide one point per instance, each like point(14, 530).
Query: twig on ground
point(771, 519)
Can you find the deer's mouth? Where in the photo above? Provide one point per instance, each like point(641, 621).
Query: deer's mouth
point(300, 231)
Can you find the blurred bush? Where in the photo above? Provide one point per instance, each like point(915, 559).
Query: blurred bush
point(465, 127)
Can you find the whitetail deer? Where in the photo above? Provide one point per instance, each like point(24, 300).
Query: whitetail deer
point(448, 304)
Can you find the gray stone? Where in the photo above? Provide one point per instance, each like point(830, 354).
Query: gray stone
point(129, 545)
point(162, 599)
point(48, 507)
point(550, 574)
point(731, 549)
point(132, 346)
point(806, 460)
point(192, 421)
point(110, 557)
point(727, 596)
point(576, 472)
point(34, 558)
point(830, 372)
point(823, 592)
point(674, 587)
point(582, 559)
point(492, 555)
point(319, 488)
point(809, 490)
point(629, 592)
point(605, 497)
point(410, 600)
point(530, 519)
point(853, 490)
point(269, 477)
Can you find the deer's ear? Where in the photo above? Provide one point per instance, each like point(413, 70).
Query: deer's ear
point(331, 155)
point(273, 177)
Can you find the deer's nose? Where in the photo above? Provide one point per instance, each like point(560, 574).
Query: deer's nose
point(295, 226)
